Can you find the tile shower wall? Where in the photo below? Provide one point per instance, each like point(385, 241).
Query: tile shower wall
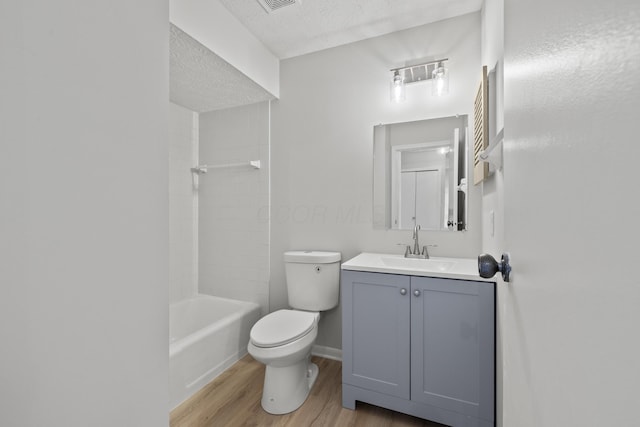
point(183, 203)
point(234, 204)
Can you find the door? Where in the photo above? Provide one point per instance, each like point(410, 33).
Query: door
point(453, 346)
point(407, 199)
point(375, 333)
point(421, 199)
point(570, 315)
point(429, 199)
point(453, 187)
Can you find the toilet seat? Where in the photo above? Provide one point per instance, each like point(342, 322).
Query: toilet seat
point(282, 327)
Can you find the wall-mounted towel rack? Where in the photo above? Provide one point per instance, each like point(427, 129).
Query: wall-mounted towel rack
point(201, 169)
point(493, 153)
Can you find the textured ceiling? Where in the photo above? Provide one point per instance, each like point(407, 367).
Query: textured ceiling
point(313, 25)
point(202, 81)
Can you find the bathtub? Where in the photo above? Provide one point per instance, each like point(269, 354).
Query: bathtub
point(207, 335)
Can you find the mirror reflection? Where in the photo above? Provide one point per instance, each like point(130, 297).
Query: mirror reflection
point(420, 174)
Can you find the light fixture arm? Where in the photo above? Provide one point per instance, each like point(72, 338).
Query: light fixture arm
point(424, 64)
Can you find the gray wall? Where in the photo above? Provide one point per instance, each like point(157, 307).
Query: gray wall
point(84, 251)
point(322, 145)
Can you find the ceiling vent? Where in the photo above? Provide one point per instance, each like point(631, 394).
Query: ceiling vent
point(273, 5)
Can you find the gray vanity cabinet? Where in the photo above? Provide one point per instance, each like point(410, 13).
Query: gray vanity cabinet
point(419, 345)
point(375, 324)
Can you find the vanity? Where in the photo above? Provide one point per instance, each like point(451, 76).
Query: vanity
point(419, 338)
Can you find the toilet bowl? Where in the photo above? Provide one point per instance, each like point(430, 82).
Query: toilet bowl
point(283, 339)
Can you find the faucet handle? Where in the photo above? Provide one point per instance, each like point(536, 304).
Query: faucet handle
point(425, 252)
point(407, 248)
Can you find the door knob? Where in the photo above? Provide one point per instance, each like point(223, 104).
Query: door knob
point(488, 266)
point(403, 291)
point(416, 293)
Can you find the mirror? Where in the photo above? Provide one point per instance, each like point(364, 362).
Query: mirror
point(420, 174)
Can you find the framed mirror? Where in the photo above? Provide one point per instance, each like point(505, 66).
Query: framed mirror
point(420, 174)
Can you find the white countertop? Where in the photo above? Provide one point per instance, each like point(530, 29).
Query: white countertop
point(448, 268)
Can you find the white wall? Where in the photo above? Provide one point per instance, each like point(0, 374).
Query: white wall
point(570, 331)
point(322, 145)
point(84, 213)
point(183, 203)
point(493, 187)
point(234, 205)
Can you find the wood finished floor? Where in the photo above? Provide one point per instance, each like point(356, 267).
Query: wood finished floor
point(233, 399)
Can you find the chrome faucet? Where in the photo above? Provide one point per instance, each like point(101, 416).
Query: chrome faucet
point(408, 253)
point(416, 245)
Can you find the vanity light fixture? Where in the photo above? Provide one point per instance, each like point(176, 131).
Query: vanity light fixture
point(433, 70)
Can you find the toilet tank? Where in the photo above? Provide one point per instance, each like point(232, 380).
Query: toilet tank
point(313, 279)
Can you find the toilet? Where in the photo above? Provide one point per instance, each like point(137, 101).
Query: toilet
point(282, 340)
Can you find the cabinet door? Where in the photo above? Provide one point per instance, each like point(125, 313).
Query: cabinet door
point(452, 357)
point(375, 333)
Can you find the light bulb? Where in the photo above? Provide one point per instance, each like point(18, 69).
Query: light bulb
point(397, 88)
point(440, 78)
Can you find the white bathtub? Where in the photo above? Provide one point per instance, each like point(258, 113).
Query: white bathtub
point(207, 335)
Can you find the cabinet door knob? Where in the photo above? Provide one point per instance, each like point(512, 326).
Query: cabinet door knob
point(416, 293)
point(403, 291)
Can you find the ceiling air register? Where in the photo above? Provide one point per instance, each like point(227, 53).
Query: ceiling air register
point(273, 5)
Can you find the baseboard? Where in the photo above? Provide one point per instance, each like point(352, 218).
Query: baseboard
point(327, 352)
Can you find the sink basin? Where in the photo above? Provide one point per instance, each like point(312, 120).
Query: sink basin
point(418, 263)
point(453, 268)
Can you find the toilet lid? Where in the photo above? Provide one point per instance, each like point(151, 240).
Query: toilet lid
point(282, 327)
